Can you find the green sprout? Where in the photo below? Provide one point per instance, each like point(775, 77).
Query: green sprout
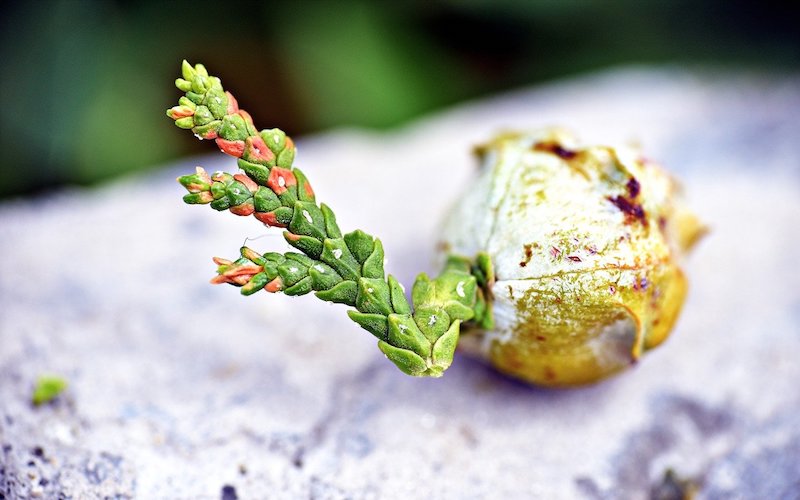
point(420, 337)
point(47, 388)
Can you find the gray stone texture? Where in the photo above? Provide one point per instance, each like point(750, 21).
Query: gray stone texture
point(183, 390)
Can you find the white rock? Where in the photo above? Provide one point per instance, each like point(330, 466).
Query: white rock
point(285, 398)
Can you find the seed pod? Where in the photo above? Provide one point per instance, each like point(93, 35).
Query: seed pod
point(586, 244)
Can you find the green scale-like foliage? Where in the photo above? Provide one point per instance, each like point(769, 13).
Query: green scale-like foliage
point(346, 269)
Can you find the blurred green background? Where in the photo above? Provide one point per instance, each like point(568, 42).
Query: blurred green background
point(85, 83)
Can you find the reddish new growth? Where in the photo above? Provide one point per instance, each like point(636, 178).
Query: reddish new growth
point(233, 104)
point(309, 190)
point(178, 112)
point(234, 274)
point(241, 274)
point(280, 179)
point(268, 218)
point(202, 182)
point(233, 148)
point(256, 149)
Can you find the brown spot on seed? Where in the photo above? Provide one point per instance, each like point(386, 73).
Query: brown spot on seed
point(633, 187)
point(556, 149)
point(528, 248)
point(633, 211)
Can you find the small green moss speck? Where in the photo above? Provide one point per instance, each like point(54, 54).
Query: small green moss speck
point(48, 387)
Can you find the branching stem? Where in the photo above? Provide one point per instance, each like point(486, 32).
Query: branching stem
point(420, 338)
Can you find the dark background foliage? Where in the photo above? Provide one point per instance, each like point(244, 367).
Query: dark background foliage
point(85, 83)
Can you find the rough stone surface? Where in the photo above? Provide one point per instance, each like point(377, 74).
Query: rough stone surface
point(183, 390)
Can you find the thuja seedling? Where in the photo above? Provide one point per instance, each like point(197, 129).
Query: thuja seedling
point(562, 265)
